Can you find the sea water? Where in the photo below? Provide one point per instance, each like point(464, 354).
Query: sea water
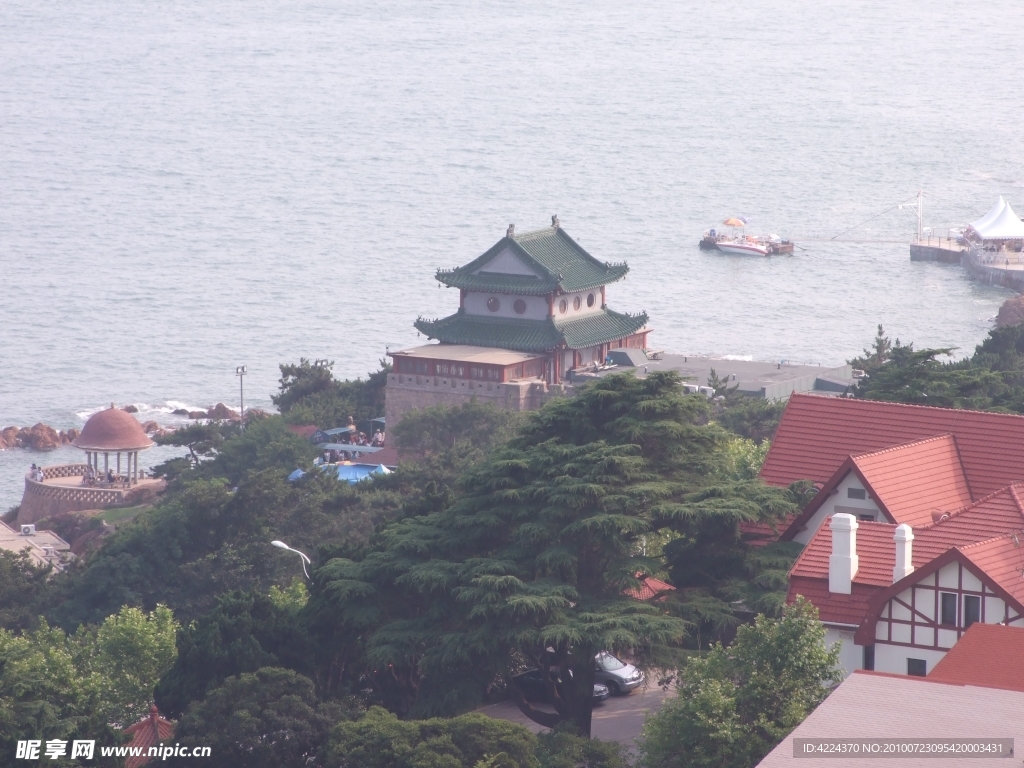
point(189, 186)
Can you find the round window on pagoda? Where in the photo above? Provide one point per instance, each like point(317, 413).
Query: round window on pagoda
point(519, 306)
point(577, 303)
point(590, 300)
point(493, 304)
point(562, 306)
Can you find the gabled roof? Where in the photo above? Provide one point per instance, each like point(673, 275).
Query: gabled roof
point(649, 589)
point(816, 434)
point(560, 263)
point(531, 335)
point(910, 483)
point(988, 655)
point(980, 533)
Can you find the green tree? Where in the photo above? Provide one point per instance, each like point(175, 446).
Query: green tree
point(25, 589)
point(878, 355)
point(560, 749)
point(735, 704)
point(203, 440)
point(527, 567)
point(244, 632)
point(754, 418)
point(381, 740)
point(270, 718)
point(302, 380)
point(129, 653)
point(56, 686)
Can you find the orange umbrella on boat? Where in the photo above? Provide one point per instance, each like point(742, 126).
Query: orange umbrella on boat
point(734, 222)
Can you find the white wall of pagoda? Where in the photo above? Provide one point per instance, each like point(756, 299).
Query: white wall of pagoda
point(572, 305)
point(504, 305)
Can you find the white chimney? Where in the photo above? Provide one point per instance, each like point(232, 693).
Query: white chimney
point(904, 538)
point(843, 564)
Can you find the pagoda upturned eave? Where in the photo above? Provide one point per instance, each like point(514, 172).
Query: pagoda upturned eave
point(533, 335)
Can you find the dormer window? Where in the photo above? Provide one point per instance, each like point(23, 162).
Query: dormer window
point(856, 493)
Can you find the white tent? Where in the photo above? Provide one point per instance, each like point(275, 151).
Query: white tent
point(1005, 226)
point(989, 217)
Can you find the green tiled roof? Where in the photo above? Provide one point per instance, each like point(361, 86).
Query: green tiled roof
point(531, 335)
point(559, 261)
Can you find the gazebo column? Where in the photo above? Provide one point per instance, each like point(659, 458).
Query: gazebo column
point(136, 467)
point(106, 461)
point(119, 463)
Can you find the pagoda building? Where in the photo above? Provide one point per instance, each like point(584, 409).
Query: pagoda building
point(532, 310)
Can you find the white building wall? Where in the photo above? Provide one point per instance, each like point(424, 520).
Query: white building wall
point(476, 304)
point(851, 656)
point(893, 658)
point(841, 502)
point(571, 312)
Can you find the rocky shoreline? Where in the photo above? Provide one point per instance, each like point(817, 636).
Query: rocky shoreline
point(43, 437)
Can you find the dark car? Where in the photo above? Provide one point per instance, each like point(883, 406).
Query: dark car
point(532, 685)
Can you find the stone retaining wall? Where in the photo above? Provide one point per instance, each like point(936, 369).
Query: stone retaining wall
point(40, 500)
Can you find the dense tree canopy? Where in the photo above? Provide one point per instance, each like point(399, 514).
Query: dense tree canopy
point(309, 394)
point(528, 565)
point(992, 379)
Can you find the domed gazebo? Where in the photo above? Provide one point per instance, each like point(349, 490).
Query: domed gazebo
point(113, 431)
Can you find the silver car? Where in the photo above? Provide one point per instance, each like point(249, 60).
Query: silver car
point(617, 675)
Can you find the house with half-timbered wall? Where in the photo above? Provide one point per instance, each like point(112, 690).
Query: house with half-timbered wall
point(917, 528)
point(533, 309)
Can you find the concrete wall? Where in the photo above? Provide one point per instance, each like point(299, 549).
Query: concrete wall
point(851, 656)
point(993, 273)
point(406, 392)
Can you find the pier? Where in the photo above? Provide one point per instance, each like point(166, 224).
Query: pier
point(944, 250)
point(1004, 268)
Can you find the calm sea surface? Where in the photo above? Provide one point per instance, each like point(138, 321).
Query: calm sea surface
point(190, 186)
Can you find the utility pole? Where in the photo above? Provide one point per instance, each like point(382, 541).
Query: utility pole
point(240, 372)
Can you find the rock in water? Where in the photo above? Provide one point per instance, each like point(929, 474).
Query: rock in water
point(1011, 313)
point(198, 415)
point(130, 409)
point(222, 412)
point(42, 438)
point(150, 427)
point(180, 412)
point(9, 437)
point(72, 434)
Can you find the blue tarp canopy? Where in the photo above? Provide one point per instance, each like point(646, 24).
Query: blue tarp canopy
point(297, 474)
point(353, 473)
point(349, 447)
point(339, 431)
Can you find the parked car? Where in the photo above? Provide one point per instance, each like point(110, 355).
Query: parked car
point(619, 676)
point(534, 688)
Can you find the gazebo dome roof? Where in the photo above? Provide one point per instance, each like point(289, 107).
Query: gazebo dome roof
point(112, 430)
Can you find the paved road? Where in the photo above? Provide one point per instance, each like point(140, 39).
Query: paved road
point(620, 718)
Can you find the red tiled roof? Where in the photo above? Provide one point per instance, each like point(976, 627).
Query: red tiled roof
point(306, 431)
point(911, 481)
point(816, 434)
point(982, 532)
point(146, 733)
point(1002, 560)
point(988, 655)
point(833, 608)
point(649, 589)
